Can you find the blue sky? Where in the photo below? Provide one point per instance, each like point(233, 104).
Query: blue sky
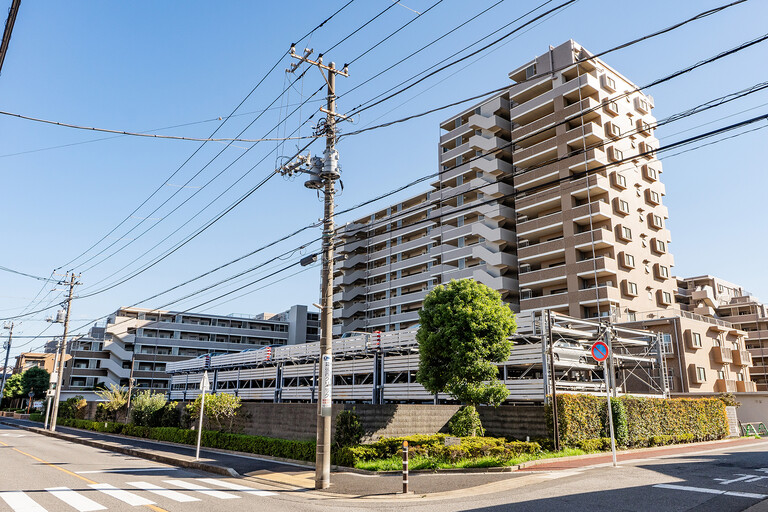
point(146, 65)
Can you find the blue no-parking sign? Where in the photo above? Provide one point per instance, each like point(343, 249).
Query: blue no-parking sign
point(600, 351)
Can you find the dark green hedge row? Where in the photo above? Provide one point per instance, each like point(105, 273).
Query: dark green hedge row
point(637, 420)
point(434, 446)
point(604, 443)
point(296, 450)
point(36, 416)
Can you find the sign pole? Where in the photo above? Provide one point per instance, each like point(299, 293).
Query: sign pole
point(205, 384)
point(608, 394)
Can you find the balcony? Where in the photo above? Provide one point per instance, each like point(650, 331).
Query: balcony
point(545, 275)
point(742, 358)
point(555, 301)
point(722, 355)
point(599, 237)
point(726, 386)
point(746, 386)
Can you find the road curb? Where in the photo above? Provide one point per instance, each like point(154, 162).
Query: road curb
point(143, 454)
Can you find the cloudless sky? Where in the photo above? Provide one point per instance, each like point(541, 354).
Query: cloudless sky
point(139, 66)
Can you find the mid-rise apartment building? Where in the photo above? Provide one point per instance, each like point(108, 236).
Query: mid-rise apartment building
point(512, 209)
point(137, 343)
point(713, 297)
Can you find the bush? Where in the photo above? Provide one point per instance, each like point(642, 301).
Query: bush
point(433, 446)
point(73, 408)
point(349, 430)
point(584, 417)
point(283, 448)
point(220, 409)
point(466, 422)
point(36, 416)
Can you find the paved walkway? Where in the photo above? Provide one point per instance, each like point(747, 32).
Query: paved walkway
point(298, 476)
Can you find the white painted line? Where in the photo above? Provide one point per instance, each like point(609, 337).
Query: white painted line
point(236, 487)
point(204, 490)
point(126, 470)
point(119, 494)
point(712, 491)
point(165, 493)
point(20, 502)
point(75, 499)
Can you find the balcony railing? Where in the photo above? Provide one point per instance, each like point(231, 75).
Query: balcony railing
point(726, 386)
point(723, 355)
point(742, 358)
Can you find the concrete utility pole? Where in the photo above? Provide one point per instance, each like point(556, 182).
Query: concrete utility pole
point(553, 380)
point(7, 353)
point(63, 352)
point(323, 176)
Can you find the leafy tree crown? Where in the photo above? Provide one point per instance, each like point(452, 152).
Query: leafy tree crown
point(463, 334)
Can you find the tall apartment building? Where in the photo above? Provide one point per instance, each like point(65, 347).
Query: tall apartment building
point(511, 210)
point(138, 343)
point(715, 298)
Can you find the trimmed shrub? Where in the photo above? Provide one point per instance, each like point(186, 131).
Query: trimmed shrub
point(466, 422)
point(145, 405)
point(73, 408)
point(36, 416)
point(584, 417)
point(349, 430)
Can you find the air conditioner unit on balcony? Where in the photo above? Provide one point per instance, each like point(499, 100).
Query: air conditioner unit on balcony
point(525, 267)
point(523, 243)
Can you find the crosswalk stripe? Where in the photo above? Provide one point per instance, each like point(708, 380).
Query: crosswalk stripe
point(20, 502)
point(75, 499)
point(204, 490)
point(119, 494)
point(236, 487)
point(165, 493)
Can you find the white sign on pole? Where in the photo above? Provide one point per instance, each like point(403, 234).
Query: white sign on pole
point(50, 392)
point(54, 378)
point(205, 384)
point(326, 392)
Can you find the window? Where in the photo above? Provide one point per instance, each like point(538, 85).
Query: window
point(642, 105)
point(650, 173)
point(666, 298)
point(643, 127)
point(696, 339)
point(622, 206)
point(619, 180)
point(721, 374)
point(629, 260)
point(663, 271)
point(660, 246)
point(701, 374)
point(666, 343)
point(530, 71)
point(612, 130)
point(612, 108)
point(631, 316)
point(740, 377)
point(625, 232)
point(654, 197)
point(609, 83)
point(615, 154)
point(655, 221)
point(632, 289)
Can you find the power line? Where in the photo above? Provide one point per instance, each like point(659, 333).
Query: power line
point(6, 269)
point(263, 78)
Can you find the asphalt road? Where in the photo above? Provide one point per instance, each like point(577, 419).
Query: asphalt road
point(39, 473)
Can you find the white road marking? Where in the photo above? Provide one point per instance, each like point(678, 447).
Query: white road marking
point(165, 493)
point(236, 487)
point(75, 499)
point(12, 435)
point(204, 490)
point(119, 494)
point(742, 476)
point(560, 474)
point(126, 470)
point(20, 502)
point(712, 491)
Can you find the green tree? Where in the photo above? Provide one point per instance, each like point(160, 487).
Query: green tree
point(13, 387)
point(220, 409)
point(37, 380)
point(463, 333)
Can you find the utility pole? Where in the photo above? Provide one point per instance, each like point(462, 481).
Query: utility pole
point(555, 418)
point(49, 398)
point(7, 353)
point(323, 175)
point(63, 352)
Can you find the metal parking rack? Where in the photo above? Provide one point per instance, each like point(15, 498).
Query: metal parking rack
point(381, 367)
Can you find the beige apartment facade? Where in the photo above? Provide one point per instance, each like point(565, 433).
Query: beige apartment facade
point(510, 207)
point(713, 297)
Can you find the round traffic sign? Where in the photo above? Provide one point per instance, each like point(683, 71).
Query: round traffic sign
point(600, 351)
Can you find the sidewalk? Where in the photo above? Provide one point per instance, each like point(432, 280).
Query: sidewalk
point(299, 476)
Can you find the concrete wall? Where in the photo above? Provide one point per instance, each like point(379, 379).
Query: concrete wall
point(297, 421)
point(754, 407)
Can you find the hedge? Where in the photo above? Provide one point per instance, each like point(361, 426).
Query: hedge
point(36, 416)
point(637, 421)
point(434, 446)
point(297, 450)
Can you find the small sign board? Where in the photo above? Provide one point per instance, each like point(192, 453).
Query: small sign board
point(205, 383)
point(37, 404)
point(326, 392)
point(600, 351)
point(54, 378)
point(452, 441)
point(50, 392)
